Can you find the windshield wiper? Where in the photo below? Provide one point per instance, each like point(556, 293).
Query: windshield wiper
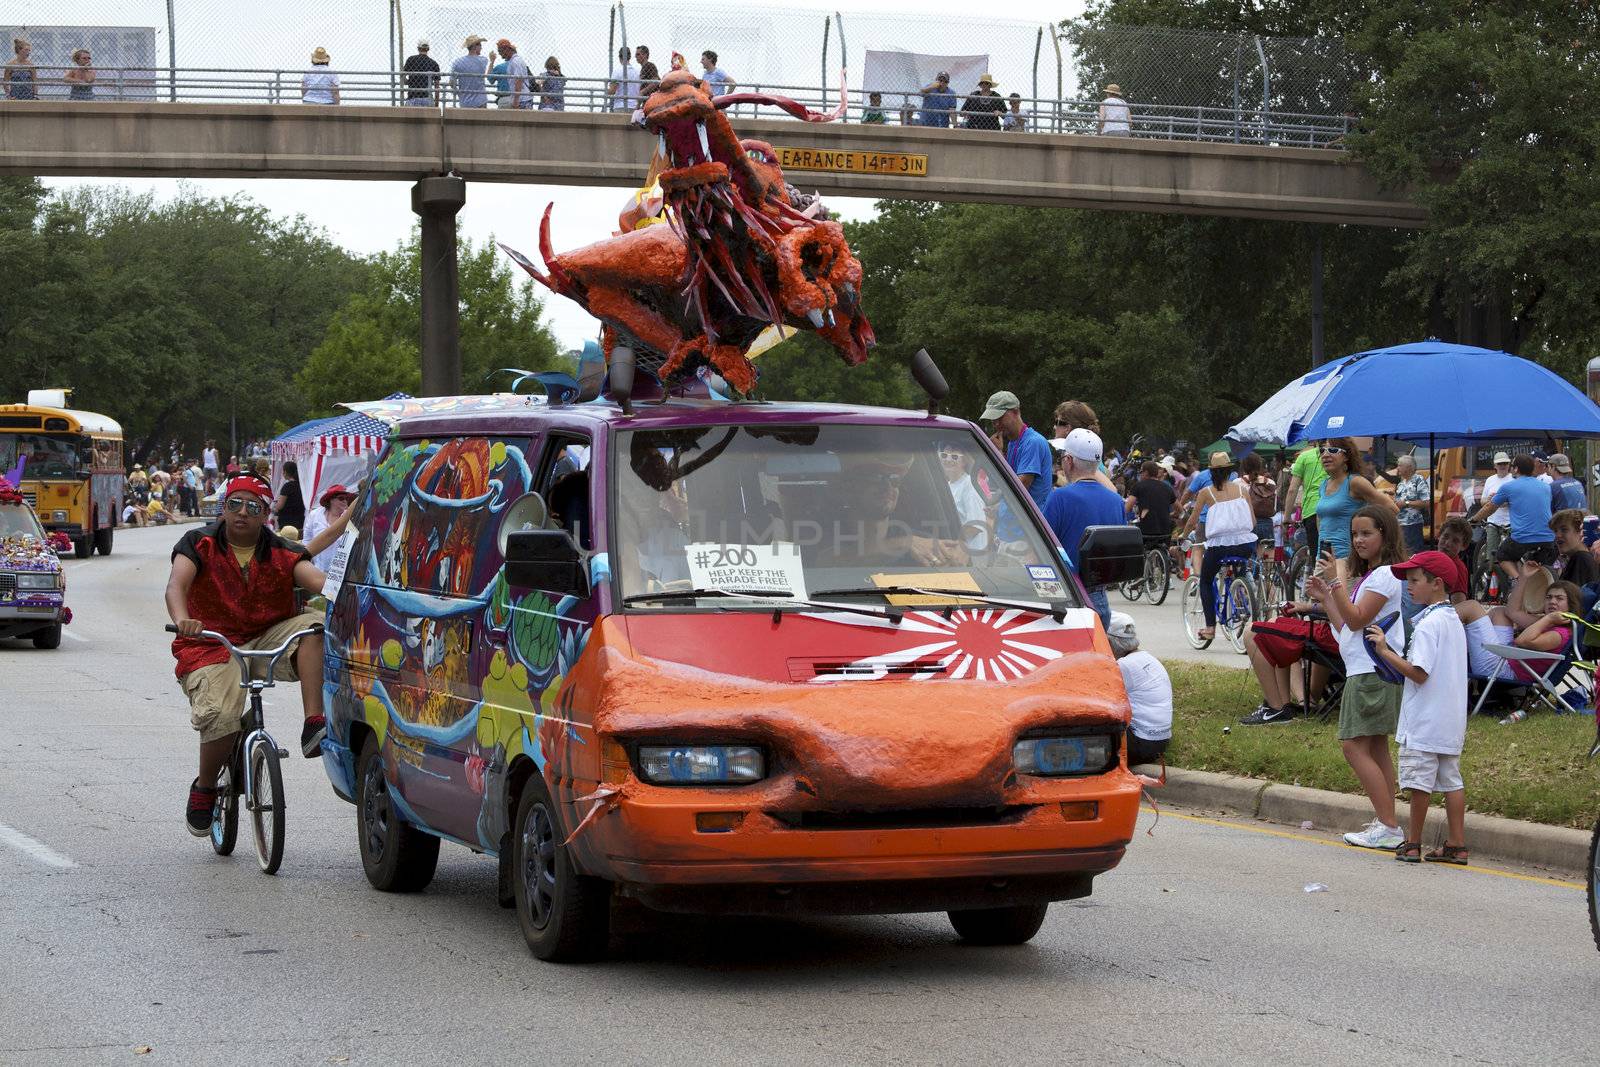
point(1055, 612)
point(765, 598)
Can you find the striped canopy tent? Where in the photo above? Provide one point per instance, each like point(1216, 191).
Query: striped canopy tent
point(334, 451)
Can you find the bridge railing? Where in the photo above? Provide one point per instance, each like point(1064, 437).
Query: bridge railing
point(402, 88)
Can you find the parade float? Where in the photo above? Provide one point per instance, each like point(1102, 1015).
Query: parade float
point(32, 581)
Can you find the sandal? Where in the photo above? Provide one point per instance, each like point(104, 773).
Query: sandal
point(1409, 852)
point(1449, 854)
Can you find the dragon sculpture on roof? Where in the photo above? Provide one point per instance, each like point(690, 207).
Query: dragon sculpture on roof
point(730, 251)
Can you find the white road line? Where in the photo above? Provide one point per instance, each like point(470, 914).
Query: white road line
point(33, 849)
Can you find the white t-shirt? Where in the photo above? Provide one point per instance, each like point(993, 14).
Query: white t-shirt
point(969, 505)
point(316, 522)
point(317, 85)
point(1491, 486)
point(210, 458)
point(1433, 715)
point(1114, 115)
point(1352, 649)
point(1150, 694)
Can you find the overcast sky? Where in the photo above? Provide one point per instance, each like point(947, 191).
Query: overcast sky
point(368, 217)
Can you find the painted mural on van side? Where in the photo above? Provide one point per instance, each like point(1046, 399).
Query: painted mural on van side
point(456, 673)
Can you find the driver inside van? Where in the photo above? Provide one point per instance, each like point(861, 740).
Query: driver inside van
point(867, 530)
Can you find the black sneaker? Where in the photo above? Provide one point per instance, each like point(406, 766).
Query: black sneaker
point(1287, 713)
point(1259, 716)
point(311, 736)
point(198, 814)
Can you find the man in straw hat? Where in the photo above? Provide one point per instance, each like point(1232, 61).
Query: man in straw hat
point(1114, 116)
point(319, 85)
point(983, 105)
point(470, 74)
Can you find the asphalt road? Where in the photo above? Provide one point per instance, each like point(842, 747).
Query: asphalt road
point(120, 932)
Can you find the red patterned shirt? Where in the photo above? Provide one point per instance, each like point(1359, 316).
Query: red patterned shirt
point(237, 602)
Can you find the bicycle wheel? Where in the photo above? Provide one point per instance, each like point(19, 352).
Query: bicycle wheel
point(1239, 614)
point(1594, 875)
point(1133, 589)
point(266, 805)
point(225, 813)
point(1194, 614)
point(1299, 571)
point(1157, 576)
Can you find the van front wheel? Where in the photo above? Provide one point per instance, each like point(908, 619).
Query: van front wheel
point(396, 857)
point(565, 917)
point(999, 926)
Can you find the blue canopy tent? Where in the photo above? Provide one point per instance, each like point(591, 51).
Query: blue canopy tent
point(335, 450)
point(1444, 394)
point(1427, 391)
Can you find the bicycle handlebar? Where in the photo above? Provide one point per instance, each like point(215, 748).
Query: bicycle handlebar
point(252, 653)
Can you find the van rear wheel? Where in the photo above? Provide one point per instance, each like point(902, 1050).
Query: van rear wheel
point(396, 857)
point(565, 917)
point(999, 926)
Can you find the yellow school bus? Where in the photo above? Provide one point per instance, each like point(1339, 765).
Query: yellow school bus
point(68, 464)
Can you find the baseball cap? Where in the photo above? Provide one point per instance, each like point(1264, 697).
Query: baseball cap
point(422, 44)
point(1440, 565)
point(999, 404)
point(1501, 457)
point(1121, 627)
point(1560, 462)
point(1085, 445)
point(1540, 454)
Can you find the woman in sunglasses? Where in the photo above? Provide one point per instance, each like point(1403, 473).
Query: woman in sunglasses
point(1343, 494)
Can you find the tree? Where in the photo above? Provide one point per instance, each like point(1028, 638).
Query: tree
point(371, 348)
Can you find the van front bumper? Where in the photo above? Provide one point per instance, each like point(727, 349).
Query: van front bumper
point(775, 860)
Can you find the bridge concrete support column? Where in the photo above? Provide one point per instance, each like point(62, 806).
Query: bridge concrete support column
point(436, 201)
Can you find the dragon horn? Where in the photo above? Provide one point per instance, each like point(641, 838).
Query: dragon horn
point(793, 107)
point(562, 282)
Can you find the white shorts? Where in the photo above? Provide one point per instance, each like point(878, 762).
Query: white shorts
point(1429, 772)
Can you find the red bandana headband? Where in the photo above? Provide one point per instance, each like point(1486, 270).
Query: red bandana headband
point(247, 483)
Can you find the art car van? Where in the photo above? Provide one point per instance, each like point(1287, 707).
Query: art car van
point(717, 657)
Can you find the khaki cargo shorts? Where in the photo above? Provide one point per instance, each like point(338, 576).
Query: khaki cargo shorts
point(216, 701)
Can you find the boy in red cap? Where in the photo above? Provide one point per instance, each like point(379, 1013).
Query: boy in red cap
point(1433, 703)
point(239, 578)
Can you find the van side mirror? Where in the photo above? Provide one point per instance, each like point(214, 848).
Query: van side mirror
point(1110, 555)
point(547, 560)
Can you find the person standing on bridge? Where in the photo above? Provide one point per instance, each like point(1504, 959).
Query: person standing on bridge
point(552, 87)
point(1014, 120)
point(1114, 118)
point(715, 77)
point(319, 85)
point(22, 80)
point(422, 78)
point(622, 91)
point(983, 106)
point(80, 76)
point(469, 74)
point(938, 102)
point(521, 96)
point(649, 76)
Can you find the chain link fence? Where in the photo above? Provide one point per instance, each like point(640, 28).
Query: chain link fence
point(1188, 84)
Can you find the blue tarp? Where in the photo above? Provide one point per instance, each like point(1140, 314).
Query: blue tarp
point(1451, 394)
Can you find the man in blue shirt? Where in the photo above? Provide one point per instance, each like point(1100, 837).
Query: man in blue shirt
point(1565, 490)
point(1081, 503)
point(938, 102)
point(1027, 453)
point(1531, 539)
point(716, 79)
point(468, 73)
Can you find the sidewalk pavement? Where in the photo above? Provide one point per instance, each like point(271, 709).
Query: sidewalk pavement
point(1557, 847)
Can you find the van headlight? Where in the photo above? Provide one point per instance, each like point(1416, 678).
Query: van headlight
point(701, 764)
point(38, 581)
point(1058, 756)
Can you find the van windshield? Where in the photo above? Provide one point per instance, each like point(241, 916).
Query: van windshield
point(830, 511)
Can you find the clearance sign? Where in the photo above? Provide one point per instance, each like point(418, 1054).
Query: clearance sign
point(853, 162)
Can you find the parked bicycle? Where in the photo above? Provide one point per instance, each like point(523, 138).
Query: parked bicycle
point(253, 768)
point(1236, 587)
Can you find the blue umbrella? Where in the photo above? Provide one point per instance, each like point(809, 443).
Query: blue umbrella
point(1451, 394)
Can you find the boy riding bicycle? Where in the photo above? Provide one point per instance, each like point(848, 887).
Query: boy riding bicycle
point(239, 579)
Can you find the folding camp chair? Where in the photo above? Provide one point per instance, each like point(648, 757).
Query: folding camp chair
point(1549, 672)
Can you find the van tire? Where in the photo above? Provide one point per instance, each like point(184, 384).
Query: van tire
point(569, 921)
point(49, 637)
point(999, 926)
point(396, 857)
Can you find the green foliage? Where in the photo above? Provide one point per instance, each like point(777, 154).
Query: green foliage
point(371, 348)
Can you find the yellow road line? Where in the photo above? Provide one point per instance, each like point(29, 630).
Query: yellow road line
point(1558, 883)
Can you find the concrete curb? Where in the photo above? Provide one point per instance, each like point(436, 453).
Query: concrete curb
point(1506, 839)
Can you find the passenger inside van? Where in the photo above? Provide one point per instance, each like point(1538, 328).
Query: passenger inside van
point(870, 525)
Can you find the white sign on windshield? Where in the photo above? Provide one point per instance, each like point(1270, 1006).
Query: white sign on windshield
point(774, 568)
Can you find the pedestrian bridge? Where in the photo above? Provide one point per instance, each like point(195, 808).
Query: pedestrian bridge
point(178, 140)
